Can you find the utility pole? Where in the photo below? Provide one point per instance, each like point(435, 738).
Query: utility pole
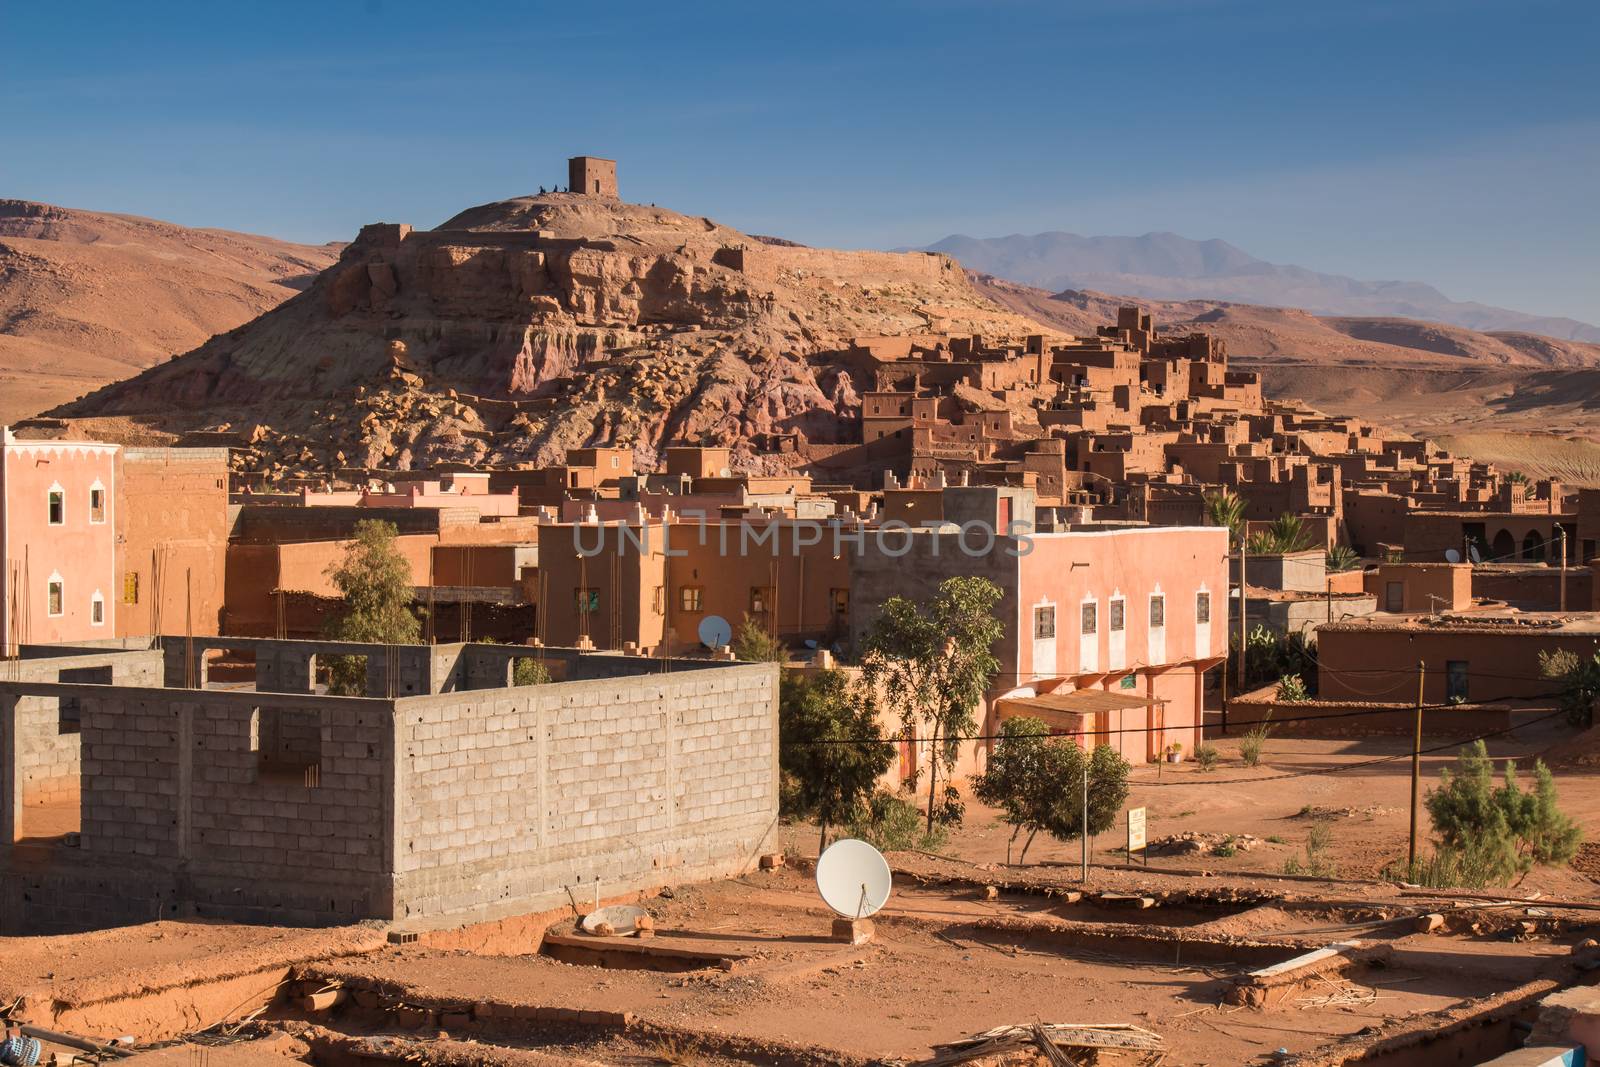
point(1416, 773)
point(1240, 672)
point(1083, 839)
point(1561, 532)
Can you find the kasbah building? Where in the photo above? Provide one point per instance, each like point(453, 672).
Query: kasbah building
point(173, 576)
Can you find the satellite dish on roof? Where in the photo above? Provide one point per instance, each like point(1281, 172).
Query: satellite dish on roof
point(1452, 556)
point(1474, 554)
point(853, 878)
point(714, 631)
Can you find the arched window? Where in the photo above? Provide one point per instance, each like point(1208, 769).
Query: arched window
point(1533, 547)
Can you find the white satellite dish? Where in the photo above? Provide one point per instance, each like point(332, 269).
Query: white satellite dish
point(853, 878)
point(715, 631)
point(1474, 554)
point(1452, 556)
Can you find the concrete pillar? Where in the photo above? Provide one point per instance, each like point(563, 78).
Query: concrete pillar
point(10, 780)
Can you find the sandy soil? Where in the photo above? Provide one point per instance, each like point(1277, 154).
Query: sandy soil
point(1366, 809)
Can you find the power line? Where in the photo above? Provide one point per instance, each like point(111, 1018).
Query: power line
point(1365, 763)
point(1268, 721)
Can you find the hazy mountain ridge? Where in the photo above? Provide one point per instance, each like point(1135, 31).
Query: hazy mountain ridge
point(1167, 266)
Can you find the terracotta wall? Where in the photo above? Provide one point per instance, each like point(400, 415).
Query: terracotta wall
point(172, 525)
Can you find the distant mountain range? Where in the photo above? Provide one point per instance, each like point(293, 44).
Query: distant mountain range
point(1165, 266)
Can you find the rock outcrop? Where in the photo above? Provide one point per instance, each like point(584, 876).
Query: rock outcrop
point(522, 328)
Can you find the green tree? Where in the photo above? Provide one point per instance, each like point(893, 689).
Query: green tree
point(754, 644)
point(934, 662)
point(1580, 682)
point(374, 580)
point(1037, 782)
point(1226, 508)
point(1501, 831)
point(831, 747)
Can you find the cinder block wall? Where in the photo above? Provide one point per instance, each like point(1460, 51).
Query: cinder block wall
point(179, 786)
point(505, 798)
point(46, 753)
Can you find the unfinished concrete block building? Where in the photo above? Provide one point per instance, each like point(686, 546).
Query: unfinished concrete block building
point(143, 789)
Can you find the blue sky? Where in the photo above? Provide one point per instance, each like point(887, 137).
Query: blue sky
point(1455, 142)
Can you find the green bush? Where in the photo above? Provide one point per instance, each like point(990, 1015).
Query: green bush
point(1318, 862)
point(1206, 756)
point(1498, 833)
point(1254, 741)
point(890, 822)
point(1291, 690)
point(1448, 869)
point(529, 671)
point(754, 644)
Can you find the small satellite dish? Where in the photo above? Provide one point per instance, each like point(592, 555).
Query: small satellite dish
point(715, 631)
point(1474, 554)
point(1452, 556)
point(811, 642)
point(853, 878)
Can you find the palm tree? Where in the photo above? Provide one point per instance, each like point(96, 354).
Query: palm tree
point(1342, 558)
point(1289, 533)
point(1226, 508)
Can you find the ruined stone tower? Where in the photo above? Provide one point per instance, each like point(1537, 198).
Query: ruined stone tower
point(592, 176)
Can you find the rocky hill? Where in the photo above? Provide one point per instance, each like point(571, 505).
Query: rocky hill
point(518, 329)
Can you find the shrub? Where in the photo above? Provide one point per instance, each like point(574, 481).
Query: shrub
point(1226, 848)
point(1447, 869)
point(890, 822)
point(1318, 862)
point(1253, 742)
point(1497, 833)
point(1580, 682)
point(1206, 756)
point(1291, 690)
point(529, 671)
point(754, 644)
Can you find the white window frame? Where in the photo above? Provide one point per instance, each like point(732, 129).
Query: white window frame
point(55, 488)
point(97, 609)
point(104, 502)
point(54, 580)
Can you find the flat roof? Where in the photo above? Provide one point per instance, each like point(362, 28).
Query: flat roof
point(1076, 702)
point(1510, 623)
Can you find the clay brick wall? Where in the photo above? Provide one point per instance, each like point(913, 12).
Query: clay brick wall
point(507, 797)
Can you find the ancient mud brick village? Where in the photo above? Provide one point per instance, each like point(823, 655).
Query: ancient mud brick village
point(474, 658)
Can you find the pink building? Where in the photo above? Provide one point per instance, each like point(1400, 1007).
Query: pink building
point(1109, 632)
point(58, 536)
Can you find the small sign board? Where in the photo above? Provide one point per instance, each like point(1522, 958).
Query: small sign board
point(1136, 842)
